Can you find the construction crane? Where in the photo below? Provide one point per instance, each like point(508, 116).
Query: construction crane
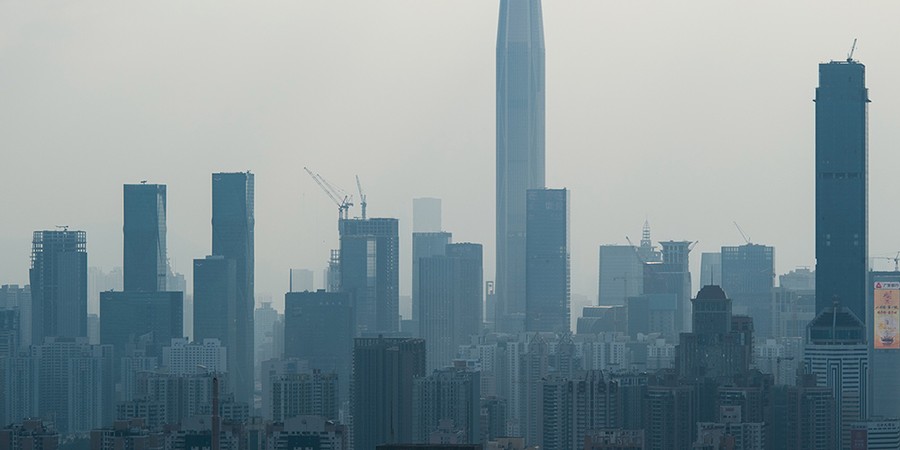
point(340, 198)
point(362, 197)
point(636, 252)
point(852, 49)
point(743, 235)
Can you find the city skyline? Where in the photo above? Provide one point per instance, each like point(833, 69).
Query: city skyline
point(597, 143)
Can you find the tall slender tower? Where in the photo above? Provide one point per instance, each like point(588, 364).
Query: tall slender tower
point(58, 284)
point(520, 146)
point(232, 238)
point(842, 185)
point(145, 264)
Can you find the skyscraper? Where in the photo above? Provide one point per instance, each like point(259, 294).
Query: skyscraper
point(547, 261)
point(369, 270)
point(748, 277)
point(837, 354)
point(232, 237)
point(127, 317)
point(319, 328)
point(215, 306)
point(621, 274)
point(384, 370)
point(145, 263)
point(58, 284)
point(842, 185)
point(426, 215)
point(425, 244)
point(520, 145)
point(451, 302)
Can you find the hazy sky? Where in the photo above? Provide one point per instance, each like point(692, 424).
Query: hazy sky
point(692, 114)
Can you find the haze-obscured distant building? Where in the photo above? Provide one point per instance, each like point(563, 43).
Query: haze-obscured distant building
point(302, 280)
point(748, 277)
point(711, 269)
point(426, 215)
point(451, 302)
point(520, 147)
point(12, 296)
point(621, 274)
point(424, 245)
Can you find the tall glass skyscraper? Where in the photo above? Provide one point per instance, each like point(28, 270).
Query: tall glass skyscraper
point(232, 238)
point(145, 237)
point(520, 146)
point(842, 185)
point(547, 298)
point(369, 270)
point(58, 285)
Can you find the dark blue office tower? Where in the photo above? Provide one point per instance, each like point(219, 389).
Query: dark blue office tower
point(370, 260)
point(842, 185)
point(520, 146)
point(232, 238)
point(144, 251)
point(547, 261)
point(58, 285)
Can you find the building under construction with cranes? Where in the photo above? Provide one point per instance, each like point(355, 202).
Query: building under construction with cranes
point(367, 265)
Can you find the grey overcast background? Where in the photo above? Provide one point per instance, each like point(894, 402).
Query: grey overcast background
point(692, 114)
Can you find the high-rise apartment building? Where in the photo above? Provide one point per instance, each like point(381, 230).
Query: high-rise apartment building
point(181, 357)
point(450, 296)
point(424, 245)
point(520, 145)
point(58, 284)
point(547, 297)
point(13, 296)
point(132, 316)
point(73, 383)
point(145, 264)
point(576, 406)
point(319, 328)
point(448, 400)
point(748, 277)
point(384, 370)
point(621, 274)
point(370, 272)
point(842, 149)
point(232, 238)
point(305, 394)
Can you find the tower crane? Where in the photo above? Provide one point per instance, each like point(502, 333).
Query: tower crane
point(362, 197)
point(341, 199)
point(746, 239)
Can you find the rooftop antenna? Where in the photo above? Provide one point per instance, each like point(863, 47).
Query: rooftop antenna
point(852, 49)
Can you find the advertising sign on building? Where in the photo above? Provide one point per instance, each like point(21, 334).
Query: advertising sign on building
point(886, 312)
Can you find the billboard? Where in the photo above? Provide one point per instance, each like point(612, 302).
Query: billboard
point(886, 317)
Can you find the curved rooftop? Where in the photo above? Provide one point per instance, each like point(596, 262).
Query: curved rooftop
point(711, 292)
